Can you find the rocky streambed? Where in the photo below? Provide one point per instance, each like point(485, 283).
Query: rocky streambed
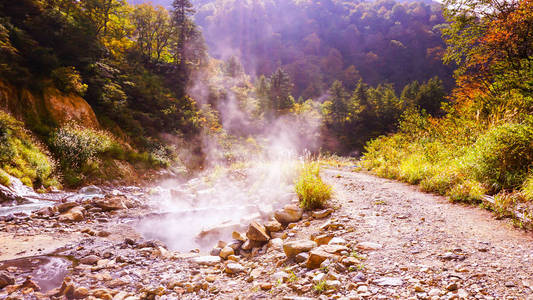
point(378, 240)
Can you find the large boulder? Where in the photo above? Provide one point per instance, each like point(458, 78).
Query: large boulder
point(6, 195)
point(293, 248)
point(289, 214)
point(257, 232)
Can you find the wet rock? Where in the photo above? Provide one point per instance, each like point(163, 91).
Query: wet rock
point(207, 260)
point(388, 281)
point(64, 207)
point(110, 203)
point(369, 246)
point(226, 251)
point(91, 190)
point(289, 214)
point(81, 293)
point(292, 248)
point(6, 279)
point(257, 232)
point(273, 226)
point(234, 268)
point(90, 260)
point(320, 214)
point(75, 214)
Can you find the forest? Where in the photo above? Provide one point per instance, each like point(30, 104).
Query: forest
point(266, 149)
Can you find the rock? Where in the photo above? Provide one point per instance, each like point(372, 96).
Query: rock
point(276, 244)
point(280, 276)
point(206, 260)
point(463, 294)
point(452, 287)
point(64, 207)
point(91, 190)
point(289, 214)
point(257, 232)
point(103, 233)
point(333, 284)
point(273, 226)
point(75, 214)
point(320, 254)
point(319, 277)
point(389, 281)
point(337, 241)
point(235, 245)
point(301, 257)
point(6, 279)
point(292, 248)
point(362, 289)
point(233, 268)
point(350, 261)
point(6, 195)
point(323, 239)
point(238, 236)
point(510, 284)
point(266, 286)
point(215, 251)
point(234, 258)
point(320, 214)
point(226, 251)
point(210, 278)
point(419, 289)
point(369, 246)
point(434, 292)
point(110, 203)
point(90, 260)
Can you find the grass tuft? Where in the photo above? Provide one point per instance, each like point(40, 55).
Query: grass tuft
point(312, 192)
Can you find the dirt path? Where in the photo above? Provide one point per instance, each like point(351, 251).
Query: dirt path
point(432, 243)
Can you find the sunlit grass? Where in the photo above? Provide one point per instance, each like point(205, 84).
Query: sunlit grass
point(312, 192)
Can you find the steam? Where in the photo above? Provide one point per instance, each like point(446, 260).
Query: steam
point(227, 197)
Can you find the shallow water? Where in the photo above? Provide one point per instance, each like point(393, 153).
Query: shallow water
point(48, 272)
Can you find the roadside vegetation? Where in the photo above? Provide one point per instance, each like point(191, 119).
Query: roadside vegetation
point(312, 192)
point(484, 142)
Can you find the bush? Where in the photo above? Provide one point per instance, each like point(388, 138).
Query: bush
point(502, 156)
point(75, 146)
point(312, 192)
point(4, 178)
point(469, 191)
point(527, 188)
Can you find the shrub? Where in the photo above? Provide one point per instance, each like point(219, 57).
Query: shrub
point(4, 178)
point(502, 156)
point(75, 146)
point(312, 192)
point(469, 191)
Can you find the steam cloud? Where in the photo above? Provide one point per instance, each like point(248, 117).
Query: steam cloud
point(198, 212)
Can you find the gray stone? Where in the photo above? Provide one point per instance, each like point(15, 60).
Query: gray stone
point(207, 260)
point(289, 214)
point(234, 268)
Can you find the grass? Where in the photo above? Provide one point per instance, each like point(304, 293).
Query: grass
point(22, 156)
point(312, 192)
point(320, 287)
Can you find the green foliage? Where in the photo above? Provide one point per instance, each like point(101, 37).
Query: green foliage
point(503, 156)
point(312, 192)
point(4, 178)
point(68, 80)
point(75, 146)
point(527, 188)
point(21, 156)
point(320, 286)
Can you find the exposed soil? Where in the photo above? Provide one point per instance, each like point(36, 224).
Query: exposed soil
point(424, 247)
